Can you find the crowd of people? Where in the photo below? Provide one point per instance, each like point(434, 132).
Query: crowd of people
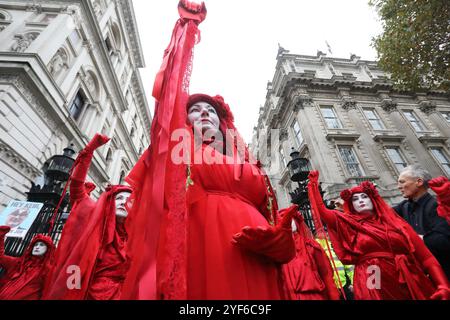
point(212, 229)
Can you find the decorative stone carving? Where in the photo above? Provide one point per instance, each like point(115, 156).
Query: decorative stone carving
point(388, 105)
point(427, 107)
point(58, 63)
point(97, 8)
point(348, 103)
point(34, 7)
point(2, 28)
point(301, 101)
point(283, 134)
point(23, 41)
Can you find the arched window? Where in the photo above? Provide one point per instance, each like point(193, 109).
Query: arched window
point(132, 132)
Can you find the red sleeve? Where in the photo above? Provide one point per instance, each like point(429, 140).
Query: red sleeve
point(318, 207)
point(6, 262)
point(77, 189)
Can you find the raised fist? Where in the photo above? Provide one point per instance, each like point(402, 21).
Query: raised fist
point(97, 141)
point(192, 10)
point(313, 176)
point(4, 230)
point(439, 184)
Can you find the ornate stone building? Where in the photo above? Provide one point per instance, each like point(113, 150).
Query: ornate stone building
point(346, 118)
point(69, 69)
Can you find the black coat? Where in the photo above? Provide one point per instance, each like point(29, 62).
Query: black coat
point(422, 216)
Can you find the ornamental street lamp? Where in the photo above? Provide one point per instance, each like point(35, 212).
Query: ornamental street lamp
point(299, 169)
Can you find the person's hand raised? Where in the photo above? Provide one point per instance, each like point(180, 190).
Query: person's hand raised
point(97, 141)
point(4, 230)
point(313, 176)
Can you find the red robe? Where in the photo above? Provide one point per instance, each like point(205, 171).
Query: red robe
point(92, 240)
point(309, 275)
point(441, 186)
point(25, 276)
point(219, 206)
point(378, 244)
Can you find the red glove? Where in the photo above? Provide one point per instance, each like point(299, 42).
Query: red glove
point(441, 185)
point(437, 275)
point(97, 141)
point(4, 230)
point(313, 176)
point(191, 10)
point(277, 242)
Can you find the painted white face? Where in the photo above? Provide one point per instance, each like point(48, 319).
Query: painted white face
point(121, 200)
point(39, 249)
point(361, 202)
point(204, 116)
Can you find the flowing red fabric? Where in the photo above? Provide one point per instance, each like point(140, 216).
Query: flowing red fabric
point(25, 276)
point(379, 241)
point(441, 186)
point(309, 275)
point(91, 240)
point(159, 183)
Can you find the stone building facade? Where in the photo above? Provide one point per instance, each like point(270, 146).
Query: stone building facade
point(346, 118)
point(69, 69)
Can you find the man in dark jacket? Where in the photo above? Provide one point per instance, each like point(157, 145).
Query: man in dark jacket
point(419, 210)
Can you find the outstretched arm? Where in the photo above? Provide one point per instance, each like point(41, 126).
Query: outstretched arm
point(315, 199)
point(5, 261)
point(431, 266)
point(82, 164)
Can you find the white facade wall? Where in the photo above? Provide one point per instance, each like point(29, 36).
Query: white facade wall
point(50, 51)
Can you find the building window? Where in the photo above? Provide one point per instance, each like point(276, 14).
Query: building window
point(446, 115)
point(442, 158)
point(330, 117)
point(374, 119)
point(77, 106)
point(414, 120)
point(297, 133)
point(109, 156)
point(132, 133)
point(351, 161)
point(396, 157)
point(122, 177)
point(283, 158)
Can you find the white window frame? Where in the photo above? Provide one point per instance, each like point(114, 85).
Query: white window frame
point(346, 165)
point(418, 120)
point(443, 166)
point(299, 143)
point(336, 118)
point(401, 155)
point(377, 118)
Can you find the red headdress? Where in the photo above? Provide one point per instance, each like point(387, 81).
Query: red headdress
point(384, 212)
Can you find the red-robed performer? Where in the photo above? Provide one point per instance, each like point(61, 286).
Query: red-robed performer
point(94, 239)
point(200, 243)
point(441, 186)
point(309, 275)
point(25, 275)
point(391, 261)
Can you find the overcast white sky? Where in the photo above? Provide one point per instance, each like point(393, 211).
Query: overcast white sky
point(237, 53)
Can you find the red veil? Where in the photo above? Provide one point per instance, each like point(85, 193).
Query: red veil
point(159, 184)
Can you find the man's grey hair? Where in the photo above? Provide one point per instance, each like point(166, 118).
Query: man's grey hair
point(417, 171)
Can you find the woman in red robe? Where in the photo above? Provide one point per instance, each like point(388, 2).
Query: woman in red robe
point(94, 239)
point(309, 275)
point(391, 261)
point(441, 186)
point(200, 230)
point(25, 276)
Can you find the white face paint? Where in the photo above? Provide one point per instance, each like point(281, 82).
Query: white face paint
point(121, 200)
point(204, 116)
point(361, 202)
point(39, 249)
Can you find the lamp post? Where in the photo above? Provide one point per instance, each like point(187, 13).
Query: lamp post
point(299, 169)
